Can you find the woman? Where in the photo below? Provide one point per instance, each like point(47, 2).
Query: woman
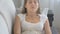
point(31, 19)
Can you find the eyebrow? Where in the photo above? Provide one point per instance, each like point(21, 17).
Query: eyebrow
point(31, 0)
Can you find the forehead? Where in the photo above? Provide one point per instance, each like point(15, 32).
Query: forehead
point(32, 0)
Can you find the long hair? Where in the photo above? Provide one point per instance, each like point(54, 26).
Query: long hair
point(24, 10)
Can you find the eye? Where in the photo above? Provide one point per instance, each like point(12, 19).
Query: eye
point(30, 2)
point(35, 2)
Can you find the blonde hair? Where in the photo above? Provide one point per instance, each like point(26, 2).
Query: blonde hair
point(24, 10)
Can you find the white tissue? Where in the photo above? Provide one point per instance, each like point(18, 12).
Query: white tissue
point(45, 11)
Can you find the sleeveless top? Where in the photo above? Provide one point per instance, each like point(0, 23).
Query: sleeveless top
point(27, 26)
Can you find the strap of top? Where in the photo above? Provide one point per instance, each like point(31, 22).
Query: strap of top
point(21, 16)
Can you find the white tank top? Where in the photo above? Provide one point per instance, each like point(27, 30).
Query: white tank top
point(31, 26)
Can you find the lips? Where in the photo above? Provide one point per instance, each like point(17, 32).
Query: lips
point(33, 7)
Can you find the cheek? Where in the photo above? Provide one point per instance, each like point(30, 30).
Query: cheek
point(37, 5)
point(28, 6)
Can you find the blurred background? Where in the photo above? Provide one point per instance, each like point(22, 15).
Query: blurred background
point(9, 8)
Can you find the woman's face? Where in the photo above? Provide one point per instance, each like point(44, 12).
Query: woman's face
point(32, 5)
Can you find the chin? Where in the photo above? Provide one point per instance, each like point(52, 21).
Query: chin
point(33, 10)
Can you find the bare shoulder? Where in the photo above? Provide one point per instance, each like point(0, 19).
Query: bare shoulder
point(17, 17)
point(17, 25)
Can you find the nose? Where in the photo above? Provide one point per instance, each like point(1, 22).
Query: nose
point(33, 3)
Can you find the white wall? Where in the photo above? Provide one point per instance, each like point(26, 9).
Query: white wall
point(17, 3)
point(44, 3)
point(54, 5)
point(57, 14)
point(51, 5)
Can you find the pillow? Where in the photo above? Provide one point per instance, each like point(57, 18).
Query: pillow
point(8, 10)
point(8, 19)
point(3, 26)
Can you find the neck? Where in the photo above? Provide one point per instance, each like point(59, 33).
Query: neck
point(32, 14)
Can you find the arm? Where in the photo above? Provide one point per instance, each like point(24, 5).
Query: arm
point(17, 26)
point(47, 27)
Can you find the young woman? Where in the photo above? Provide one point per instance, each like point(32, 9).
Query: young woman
point(31, 19)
